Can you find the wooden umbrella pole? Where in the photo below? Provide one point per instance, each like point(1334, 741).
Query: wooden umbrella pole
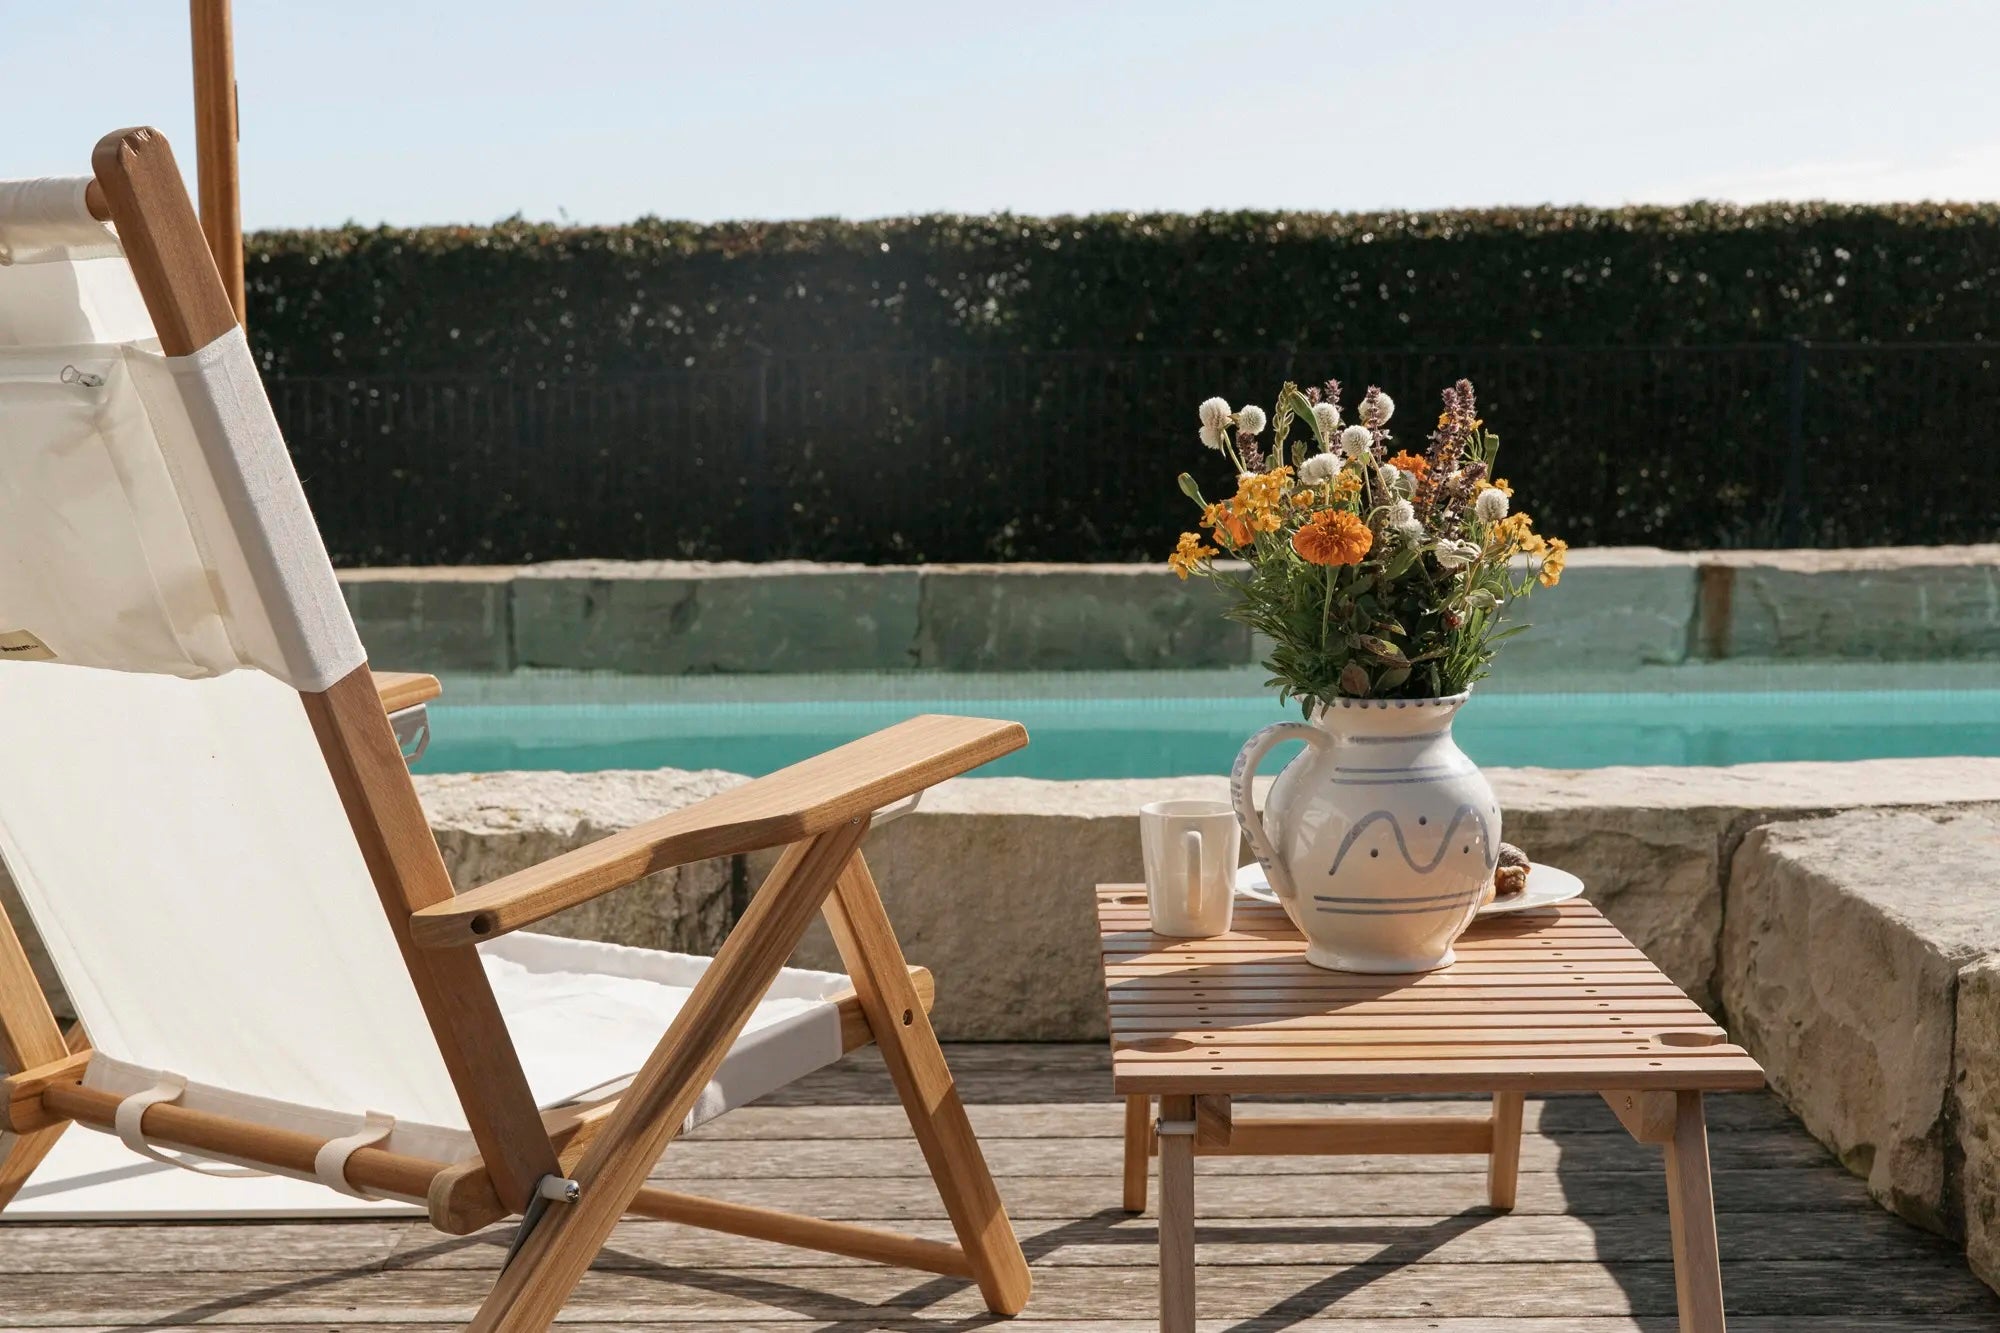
point(220, 192)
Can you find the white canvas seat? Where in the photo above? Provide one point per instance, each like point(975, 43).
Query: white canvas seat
point(205, 811)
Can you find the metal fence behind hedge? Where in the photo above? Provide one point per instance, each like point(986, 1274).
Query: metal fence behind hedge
point(1072, 455)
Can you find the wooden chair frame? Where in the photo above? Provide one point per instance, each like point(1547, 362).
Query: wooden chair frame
point(817, 811)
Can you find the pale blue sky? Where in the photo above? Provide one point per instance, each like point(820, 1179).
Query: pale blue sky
point(603, 110)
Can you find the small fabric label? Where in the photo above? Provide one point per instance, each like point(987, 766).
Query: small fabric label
point(17, 645)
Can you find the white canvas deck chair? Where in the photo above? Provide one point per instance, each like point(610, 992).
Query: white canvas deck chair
point(204, 807)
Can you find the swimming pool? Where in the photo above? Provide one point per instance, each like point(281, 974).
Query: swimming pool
point(1157, 724)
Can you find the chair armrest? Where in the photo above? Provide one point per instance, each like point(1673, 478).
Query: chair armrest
point(405, 689)
point(787, 806)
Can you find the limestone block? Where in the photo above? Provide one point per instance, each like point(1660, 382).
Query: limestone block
point(1073, 618)
point(492, 824)
point(1615, 607)
point(676, 618)
point(1978, 1091)
point(1911, 603)
point(433, 619)
point(989, 885)
point(1842, 945)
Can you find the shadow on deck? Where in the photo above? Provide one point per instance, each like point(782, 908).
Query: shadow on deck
point(1360, 1244)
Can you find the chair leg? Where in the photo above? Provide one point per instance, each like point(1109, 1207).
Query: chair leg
point(1503, 1166)
point(20, 1154)
point(1691, 1214)
point(1138, 1151)
point(1177, 1215)
point(555, 1255)
point(874, 961)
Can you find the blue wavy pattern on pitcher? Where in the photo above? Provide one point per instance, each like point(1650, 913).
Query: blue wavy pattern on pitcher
point(1489, 852)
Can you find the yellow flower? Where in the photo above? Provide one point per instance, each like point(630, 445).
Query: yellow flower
point(1261, 490)
point(1515, 533)
point(1499, 484)
point(1346, 486)
point(1303, 499)
point(1189, 554)
point(1333, 537)
point(1553, 560)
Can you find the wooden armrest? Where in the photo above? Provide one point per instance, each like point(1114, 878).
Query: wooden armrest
point(405, 689)
point(788, 806)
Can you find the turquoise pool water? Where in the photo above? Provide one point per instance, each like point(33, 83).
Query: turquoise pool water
point(1155, 724)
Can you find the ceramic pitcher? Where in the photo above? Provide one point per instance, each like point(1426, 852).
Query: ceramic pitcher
point(1379, 838)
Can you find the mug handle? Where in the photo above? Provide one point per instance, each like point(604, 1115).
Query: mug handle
point(1240, 775)
point(1191, 854)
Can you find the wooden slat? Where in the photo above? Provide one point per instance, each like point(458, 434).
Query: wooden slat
point(1172, 1023)
point(405, 689)
point(1551, 1072)
point(787, 806)
point(1337, 1040)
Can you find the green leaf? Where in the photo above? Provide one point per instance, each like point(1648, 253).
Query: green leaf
point(1354, 680)
point(1381, 650)
point(1292, 401)
point(1391, 678)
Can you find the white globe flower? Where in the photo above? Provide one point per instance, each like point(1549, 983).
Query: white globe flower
point(1455, 554)
point(1402, 513)
point(1215, 423)
point(1319, 469)
point(1356, 442)
point(1491, 506)
point(1390, 474)
point(1377, 408)
point(1250, 418)
point(1327, 417)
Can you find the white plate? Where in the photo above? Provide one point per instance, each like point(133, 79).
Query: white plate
point(1547, 886)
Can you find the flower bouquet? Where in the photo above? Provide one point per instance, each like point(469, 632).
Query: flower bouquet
point(1382, 577)
point(1375, 574)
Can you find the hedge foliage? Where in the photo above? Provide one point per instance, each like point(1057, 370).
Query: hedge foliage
point(543, 302)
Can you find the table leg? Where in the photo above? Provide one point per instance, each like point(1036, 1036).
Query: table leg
point(1138, 1151)
point(1176, 1130)
point(1503, 1166)
point(1691, 1214)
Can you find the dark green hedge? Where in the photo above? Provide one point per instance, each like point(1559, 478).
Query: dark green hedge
point(544, 302)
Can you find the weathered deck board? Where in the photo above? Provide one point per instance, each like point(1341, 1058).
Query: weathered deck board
point(1388, 1245)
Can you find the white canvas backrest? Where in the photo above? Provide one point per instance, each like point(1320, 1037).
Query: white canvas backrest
point(165, 808)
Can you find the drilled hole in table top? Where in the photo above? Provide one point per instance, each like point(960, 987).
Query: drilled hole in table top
point(1687, 1039)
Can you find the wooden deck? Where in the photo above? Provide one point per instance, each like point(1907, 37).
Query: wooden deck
point(1394, 1245)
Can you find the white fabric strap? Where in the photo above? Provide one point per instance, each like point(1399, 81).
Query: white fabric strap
point(330, 1165)
point(132, 1111)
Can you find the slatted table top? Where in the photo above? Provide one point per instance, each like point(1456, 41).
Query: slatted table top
point(1555, 1000)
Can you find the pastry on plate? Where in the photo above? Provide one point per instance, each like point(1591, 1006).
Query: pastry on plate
point(1510, 875)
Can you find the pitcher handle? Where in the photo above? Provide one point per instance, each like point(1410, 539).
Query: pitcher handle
point(1240, 776)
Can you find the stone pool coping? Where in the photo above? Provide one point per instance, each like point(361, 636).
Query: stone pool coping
point(1617, 608)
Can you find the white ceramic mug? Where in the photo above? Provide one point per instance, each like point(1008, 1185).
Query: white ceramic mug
point(1191, 849)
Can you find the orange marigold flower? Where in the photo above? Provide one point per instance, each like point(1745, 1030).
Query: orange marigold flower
point(1333, 537)
point(1229, 529)
point(1414, 464)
